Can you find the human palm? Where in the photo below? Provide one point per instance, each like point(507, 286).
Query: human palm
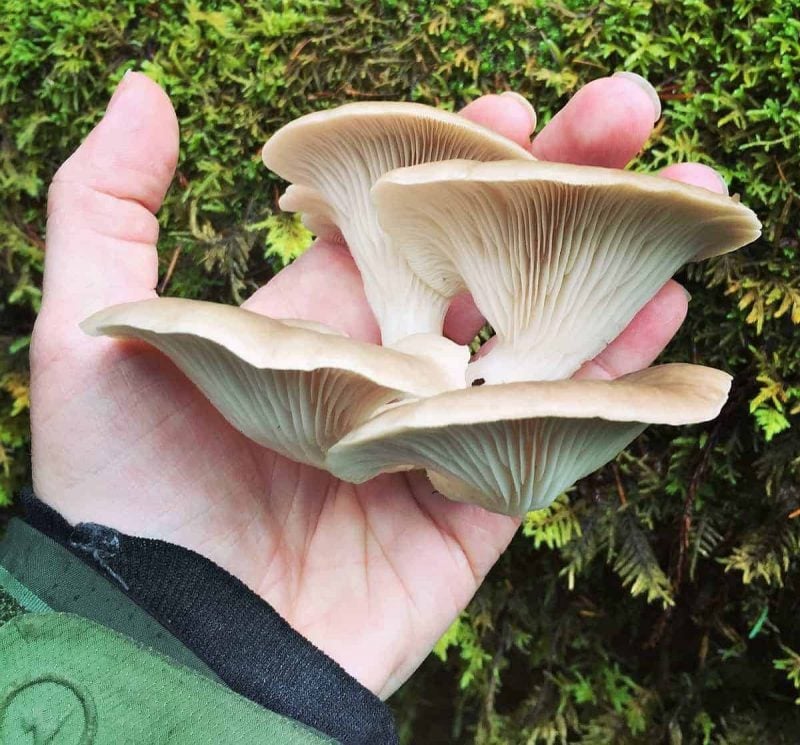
point(372, 574)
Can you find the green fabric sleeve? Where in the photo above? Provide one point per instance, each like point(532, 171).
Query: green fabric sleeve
point(62, 582)
point(27, 600)
point(65, 680)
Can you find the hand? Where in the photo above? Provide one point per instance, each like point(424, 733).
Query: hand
point(371, 574)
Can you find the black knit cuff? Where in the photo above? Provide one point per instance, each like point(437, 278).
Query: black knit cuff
point(236, 633)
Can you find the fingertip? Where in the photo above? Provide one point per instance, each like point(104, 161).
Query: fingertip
point(133, 151)
point(508, 114)
point(644, 338)
point(696, 174)
point(669, 306)
point(605, 124)
point(463, 320)
point(647, 87)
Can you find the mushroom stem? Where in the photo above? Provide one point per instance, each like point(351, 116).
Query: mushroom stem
point(403, 315)
point(334, 157)
point(402, 303)
point(449, 358)
point(511, 363)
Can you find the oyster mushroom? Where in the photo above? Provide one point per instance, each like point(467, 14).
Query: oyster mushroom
point(293, 386)
point(515, 447)
point(315, 212)
point(337, 155)
point(559, 258)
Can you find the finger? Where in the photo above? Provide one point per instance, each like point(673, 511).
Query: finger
point(508, 114)
point(101, 228)
point(322, 285)
point(605, 123)
point(643, 339)
point(696, 174)
point(463, 320)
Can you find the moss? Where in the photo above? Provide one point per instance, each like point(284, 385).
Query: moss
point(554, 648)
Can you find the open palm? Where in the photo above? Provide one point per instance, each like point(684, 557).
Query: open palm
point(371, 574)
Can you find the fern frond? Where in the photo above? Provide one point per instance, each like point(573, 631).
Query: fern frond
point(704, 538)
point(766, 552)
point(637, 565)
point(595, 536)
point(555, 526)
point(286, 237)
point(791, 666)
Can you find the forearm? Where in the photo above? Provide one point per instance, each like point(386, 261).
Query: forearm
point(171, 604)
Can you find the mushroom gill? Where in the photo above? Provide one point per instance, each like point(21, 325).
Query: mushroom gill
point(337, 156)
point(515, 447)
point(292, 386)
point(559, 258)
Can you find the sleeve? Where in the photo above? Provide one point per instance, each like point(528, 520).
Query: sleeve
point(185, 607)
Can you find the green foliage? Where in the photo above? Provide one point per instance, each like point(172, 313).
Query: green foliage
point(637, 565)
point(658, 601)
point(463, 636)
point(286, 237)
point(554, 527)
point(768, 550)
point(791, 666)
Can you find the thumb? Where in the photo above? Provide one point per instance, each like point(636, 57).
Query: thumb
point(101, 226)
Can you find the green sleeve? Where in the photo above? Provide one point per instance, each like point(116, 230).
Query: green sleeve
point(70, 679)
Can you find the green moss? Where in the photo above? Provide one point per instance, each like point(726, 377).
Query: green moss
point(554, 648)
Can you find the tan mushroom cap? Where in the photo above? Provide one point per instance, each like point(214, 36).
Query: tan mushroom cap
point(340, 153)
point(293, 386)
point(315, 212)
point(559, 258)
point(515, 447)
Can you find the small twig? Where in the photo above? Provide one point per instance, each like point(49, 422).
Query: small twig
point(34, 237)
point(295, 53)
point(494, 671)
point(350, 91)
point(620, 490)
point(170, 269)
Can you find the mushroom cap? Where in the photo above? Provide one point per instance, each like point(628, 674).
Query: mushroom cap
point(316, 213)
point(512, 448)
point(293, 386)
point(341, 152)
point(559, 258)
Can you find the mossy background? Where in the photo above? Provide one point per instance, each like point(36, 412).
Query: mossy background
point(657, 602)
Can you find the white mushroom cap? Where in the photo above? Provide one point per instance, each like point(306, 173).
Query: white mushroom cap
point(341, 153)
point(293, 386)
point(316, 213)
point(559, 258)
point(515, 447)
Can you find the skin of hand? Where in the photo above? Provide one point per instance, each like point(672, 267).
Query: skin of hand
point(371, 574)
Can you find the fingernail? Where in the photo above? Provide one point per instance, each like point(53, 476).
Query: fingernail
point(646, 86)
point(120, 87)
point(687, 293)
point(524, 102)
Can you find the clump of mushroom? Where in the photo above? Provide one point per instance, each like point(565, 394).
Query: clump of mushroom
point(333, 158)
point(558, 258)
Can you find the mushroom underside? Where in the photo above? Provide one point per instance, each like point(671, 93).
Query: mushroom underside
point(505, 467)
point(514, 447)
point(558, 258)
point(337, 156)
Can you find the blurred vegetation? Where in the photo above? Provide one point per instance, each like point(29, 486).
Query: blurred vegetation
point(658, 601)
